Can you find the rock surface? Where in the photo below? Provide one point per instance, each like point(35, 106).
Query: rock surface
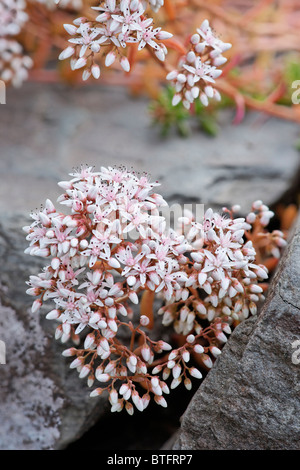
point(250, 399)
point(47, 130)
point(40, 398)
point(43, 404)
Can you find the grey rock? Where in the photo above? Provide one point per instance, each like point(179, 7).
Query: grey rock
point(47, 130)
point(250, 399)
point(43, 404)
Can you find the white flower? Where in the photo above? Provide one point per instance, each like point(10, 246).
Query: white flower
point(12, 17)
point(95, 275)
point(156, 4)
point(14, 65)
point(196, 75)
point(119, 23)
point(129, 17)
point(87, 39)
point(170, 280)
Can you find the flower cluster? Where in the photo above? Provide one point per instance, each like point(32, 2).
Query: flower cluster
point(198, 69)
point(223, 279)
point(12, 17)
point(119, 24)
point(76, 4)
point(13, 64)
point(270, 242)
point(156, 4)
point(112, 251)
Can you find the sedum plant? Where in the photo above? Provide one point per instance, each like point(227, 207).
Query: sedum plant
point(124, 24)
point(137, 43)
point(154, 46)
point(14, 64)
point(111, 254)
point(116, 31)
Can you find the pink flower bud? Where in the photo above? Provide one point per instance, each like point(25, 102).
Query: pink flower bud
point(36, 305)
point(195, 39)
point(145, 351)
point(257, 204)
point(76, 363)
point(160, 54)
point(198, 349)
point(133, 297)
point(191, 56)
point(114, 263)
point(207, 360)
point(137, 400)
point(190, 338)
point(89, 341)
point(176, 371)
point(202, 278)
point(85, 371)
point(204, 99)
point(255, 289)
point(66, 53)
point(221, 337)
point(186, 356)
point(171, 364)
point(160, 401)
point(102, 377)
point(144, 321)
point(215, 351)
point(110, 58)
point(164, 346)
point(96, 392)
point(80, 63)
point(145, 400)
point(131, 281)
point(172, 75)
point(113, 396)
point(104, 344)
point(116, 407)
point(226, 328)
point(70, 28)
point(69, 352)
point(175, 382)
point(129, 408)
point(195, 373)
point(176, 99)
point(188, 384)
point(122, 310)
point(53, 315)
point(161, 35)
point(125, 64)
point(95, 71)
point(49, 206)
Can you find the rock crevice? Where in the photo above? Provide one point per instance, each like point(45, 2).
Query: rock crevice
point(250, 399)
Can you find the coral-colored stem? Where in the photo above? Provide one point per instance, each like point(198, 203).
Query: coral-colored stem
point(170, 9)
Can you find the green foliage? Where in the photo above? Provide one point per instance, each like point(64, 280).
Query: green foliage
point(292, 69)
point(206, 119)
point(177, 118)
point(168, 116)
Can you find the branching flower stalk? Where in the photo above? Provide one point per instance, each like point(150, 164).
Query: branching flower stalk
point(111, 251)
point(199, 68)
point(262, 66)
point(14, 65)
point(120, 23)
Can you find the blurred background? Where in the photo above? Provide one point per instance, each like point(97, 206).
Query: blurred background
point(234, 152)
